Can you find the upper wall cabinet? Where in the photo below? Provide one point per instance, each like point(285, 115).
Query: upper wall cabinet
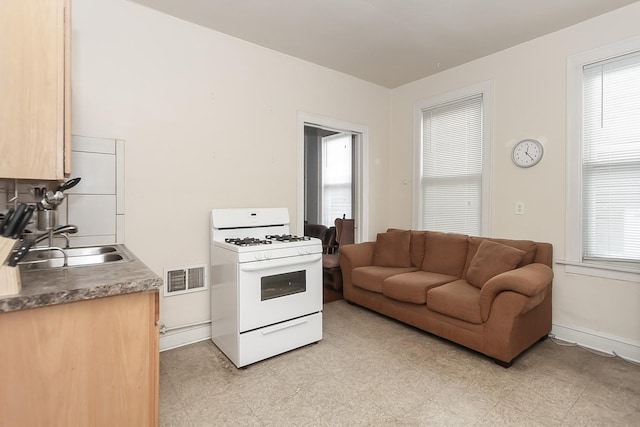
point(35, 134)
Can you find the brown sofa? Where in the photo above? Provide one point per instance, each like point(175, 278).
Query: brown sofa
point(490, 295)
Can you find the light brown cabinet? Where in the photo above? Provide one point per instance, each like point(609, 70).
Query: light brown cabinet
point(35, 134)
point(85, 363)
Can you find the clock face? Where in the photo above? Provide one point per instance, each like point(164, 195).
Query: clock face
point(527, 153)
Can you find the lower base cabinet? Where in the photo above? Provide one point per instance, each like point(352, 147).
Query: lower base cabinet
point(86, 363)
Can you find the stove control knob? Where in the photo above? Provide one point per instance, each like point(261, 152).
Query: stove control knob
point(259, 256)
point(303, 251)
point(267, 255)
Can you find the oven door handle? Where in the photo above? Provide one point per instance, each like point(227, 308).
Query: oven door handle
point(282, 262)
point(279, 328)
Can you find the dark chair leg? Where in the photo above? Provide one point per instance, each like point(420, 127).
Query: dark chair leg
point(336, 275)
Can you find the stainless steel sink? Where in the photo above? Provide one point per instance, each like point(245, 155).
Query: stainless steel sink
point(73, 252)
point(76, 257)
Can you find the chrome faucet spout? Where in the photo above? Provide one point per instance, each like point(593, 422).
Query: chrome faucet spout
point(69, 228)
point(62, 231)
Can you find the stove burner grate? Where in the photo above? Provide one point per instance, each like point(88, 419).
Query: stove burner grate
point(247, 241)
point(286, 238)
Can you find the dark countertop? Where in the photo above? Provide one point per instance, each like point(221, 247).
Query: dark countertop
point(53, 286)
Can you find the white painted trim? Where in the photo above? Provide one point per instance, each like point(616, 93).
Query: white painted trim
point(185, 337)
point(603, 270)
point(361, 169)
point(573, 220)
point(598, 341)
point(120, 185)
point(486, 89)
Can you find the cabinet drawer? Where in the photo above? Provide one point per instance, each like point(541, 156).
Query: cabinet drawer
point(272, 340)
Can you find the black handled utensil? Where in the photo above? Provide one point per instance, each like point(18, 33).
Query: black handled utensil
point(15, 220)
point(23, 222)
point(21, 252)
point(69, 184)
point(5, 221)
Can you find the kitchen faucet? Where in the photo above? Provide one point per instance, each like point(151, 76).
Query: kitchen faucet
point(52, 248)
point(59, 231)
point(63, 231)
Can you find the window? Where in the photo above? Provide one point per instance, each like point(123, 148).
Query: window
point(604, 163)
point(337, 194)
point(453, 135)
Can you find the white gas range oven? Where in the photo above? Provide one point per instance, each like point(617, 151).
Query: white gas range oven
point(266, 285)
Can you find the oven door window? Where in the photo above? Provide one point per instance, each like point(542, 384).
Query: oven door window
point(283, 284)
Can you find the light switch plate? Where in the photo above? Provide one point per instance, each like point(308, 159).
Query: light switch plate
point(519, 208)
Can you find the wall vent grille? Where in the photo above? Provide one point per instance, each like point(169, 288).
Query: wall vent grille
point(182, 280)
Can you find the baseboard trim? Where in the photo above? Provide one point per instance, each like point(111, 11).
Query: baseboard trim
point(184, 337)
point(585, 338)
point(598, 341)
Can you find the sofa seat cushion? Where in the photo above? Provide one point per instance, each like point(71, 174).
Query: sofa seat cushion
point(491, 259)
point(457, 299)
point(371, 277)
point(412, 287)
point(392, 249)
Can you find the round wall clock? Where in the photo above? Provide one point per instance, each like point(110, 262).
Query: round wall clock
point(527, 153)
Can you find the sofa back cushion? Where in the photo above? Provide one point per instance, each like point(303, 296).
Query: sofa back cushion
point(392, 249)
point(528, 246)
point(491, 259)
point(416, 247)
point(444, 253)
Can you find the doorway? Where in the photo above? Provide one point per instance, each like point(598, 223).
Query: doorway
point(329, 184)
point(332, 172)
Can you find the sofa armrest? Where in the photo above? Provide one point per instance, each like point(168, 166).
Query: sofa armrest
point(356, 255)
point(531, 280)
point(350, 257)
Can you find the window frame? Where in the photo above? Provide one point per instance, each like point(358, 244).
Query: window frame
point(486, 90)
point(573, 222)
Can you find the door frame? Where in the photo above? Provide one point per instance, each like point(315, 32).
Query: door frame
point(360, 173)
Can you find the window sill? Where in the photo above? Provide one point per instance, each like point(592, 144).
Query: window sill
point(601, 270)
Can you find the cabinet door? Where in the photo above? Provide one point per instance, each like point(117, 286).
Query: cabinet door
point(86, 363)
point(34, 51)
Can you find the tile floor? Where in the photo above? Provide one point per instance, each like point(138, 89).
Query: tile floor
point(372, 371)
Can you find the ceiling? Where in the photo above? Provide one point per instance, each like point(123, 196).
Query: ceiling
point(387, 42)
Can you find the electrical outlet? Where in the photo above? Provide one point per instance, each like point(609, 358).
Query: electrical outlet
point(519, 208)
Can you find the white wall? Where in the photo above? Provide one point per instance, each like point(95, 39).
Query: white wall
point(194, 106)
point(530, 102)
point(209, 121)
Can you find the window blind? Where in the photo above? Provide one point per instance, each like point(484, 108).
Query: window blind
point(611, 160)
point(452, 166)
point(337, 178)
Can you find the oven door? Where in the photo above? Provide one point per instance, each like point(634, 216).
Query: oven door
point(272, 291)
